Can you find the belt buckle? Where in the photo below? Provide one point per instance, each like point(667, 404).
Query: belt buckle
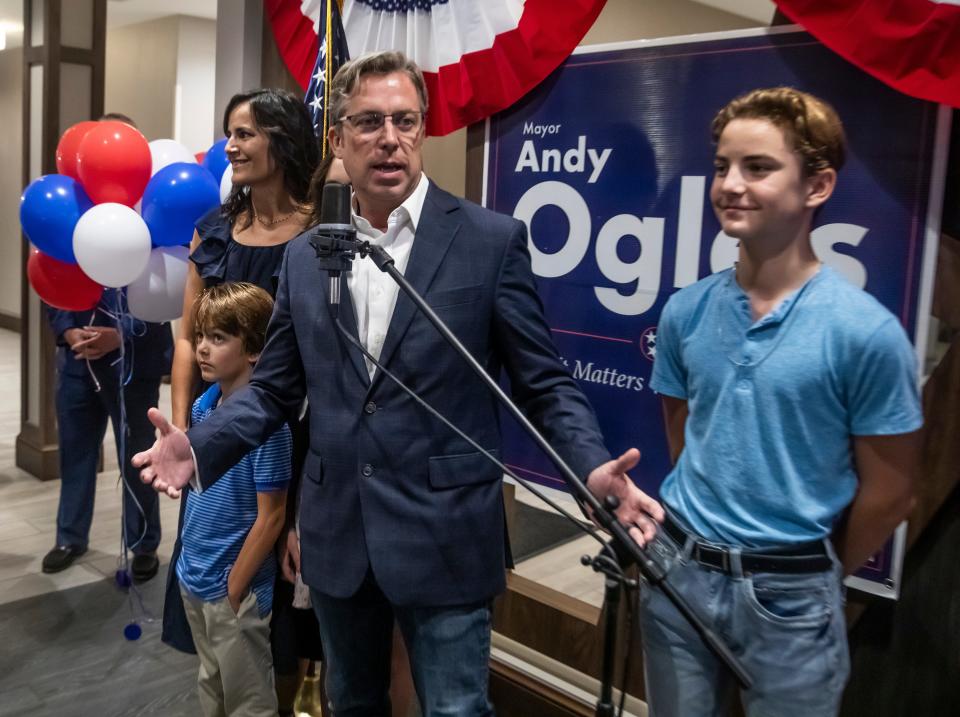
point(706, 554)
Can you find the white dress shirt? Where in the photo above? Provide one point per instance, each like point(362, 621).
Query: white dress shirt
point(373, 292)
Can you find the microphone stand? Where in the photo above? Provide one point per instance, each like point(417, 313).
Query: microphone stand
point(615, 584)
point(621, 543)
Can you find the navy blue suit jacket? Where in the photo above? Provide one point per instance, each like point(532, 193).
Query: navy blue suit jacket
point(384, 484)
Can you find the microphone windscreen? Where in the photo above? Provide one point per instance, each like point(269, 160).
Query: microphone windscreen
point(335, 208)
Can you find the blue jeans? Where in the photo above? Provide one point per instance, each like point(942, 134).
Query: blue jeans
point(787, 629)
point(449, 650)
point(82, 414)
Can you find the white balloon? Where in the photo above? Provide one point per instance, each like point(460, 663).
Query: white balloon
point(112, 244)
point(157, 294)
point(168, 151)
point(226, 183)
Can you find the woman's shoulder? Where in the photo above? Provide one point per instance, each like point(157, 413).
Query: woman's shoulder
point(213, 225)
point(213, 228)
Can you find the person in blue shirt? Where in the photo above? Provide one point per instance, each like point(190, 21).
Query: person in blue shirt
point(89, 378)
point(227, 564)
point(90, 374)
point(792, 412)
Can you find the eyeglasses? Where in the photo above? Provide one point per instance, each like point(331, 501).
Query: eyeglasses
point(405, 122)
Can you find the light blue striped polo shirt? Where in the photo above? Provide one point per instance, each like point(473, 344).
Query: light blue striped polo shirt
point(217, 521)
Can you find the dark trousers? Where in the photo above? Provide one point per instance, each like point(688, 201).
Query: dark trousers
point(82, 414)
point(449, 650)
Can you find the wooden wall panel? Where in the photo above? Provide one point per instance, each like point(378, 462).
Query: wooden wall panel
point(564, 629)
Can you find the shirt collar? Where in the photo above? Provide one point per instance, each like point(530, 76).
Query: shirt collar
point(782, 310)
point(412, 207)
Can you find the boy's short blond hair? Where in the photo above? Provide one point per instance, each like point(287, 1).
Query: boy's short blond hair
point(236, 308)
point(810, 124)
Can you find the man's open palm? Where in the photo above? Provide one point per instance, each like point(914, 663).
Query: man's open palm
point(168, 464)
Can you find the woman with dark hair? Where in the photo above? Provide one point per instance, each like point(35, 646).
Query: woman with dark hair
point(273, 153)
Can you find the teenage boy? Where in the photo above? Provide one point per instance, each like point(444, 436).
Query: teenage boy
point(790, 399)
point(227, 566)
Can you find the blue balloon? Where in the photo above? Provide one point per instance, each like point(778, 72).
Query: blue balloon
point(49, 210)
point(132, 631)
point(215, 160)
point(175, 198)
point(123, 579)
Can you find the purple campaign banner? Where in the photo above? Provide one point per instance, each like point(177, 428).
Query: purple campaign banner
point(609, 163)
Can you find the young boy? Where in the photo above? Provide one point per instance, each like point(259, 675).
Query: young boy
point(792, 414)
point(227, 566)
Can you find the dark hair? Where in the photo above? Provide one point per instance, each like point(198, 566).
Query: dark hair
point(809, 123)
point(237, 308)
point(283, 117)
point(316, 188)
point(119, 117)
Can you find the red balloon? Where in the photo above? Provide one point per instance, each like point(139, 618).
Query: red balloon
point(62, 285)
point(67, 148)
point(199, 157)
point(114, 163)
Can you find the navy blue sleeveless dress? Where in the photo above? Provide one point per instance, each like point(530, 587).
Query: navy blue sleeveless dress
point(220, 259)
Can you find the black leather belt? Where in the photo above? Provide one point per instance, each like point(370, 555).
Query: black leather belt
point(809, 557)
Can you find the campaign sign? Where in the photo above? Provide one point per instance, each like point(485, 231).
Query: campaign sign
point(609, 162)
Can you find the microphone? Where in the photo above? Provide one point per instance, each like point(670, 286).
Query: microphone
point(334, 239)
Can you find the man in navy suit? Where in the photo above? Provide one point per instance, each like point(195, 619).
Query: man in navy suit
point(88, 383)
point(400, 518)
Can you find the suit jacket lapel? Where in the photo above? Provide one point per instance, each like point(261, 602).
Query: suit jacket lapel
point(348, 317)
point(436, 230)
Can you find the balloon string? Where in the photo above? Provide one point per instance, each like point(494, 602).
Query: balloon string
point(93, 374)
point(125, 374)
point(136, 328)
point(127, 328)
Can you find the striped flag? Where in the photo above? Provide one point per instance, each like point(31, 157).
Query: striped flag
point(331, 52)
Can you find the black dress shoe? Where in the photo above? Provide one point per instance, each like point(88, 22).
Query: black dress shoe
point(144, 566)
point(61, 558)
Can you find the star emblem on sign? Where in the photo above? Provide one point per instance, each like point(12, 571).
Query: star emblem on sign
point(648, 343)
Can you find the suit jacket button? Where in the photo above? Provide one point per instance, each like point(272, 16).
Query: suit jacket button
point(371, 407)
point(367, 470)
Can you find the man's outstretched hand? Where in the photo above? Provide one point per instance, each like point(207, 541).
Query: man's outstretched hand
point(168, 464)
point(638, 511)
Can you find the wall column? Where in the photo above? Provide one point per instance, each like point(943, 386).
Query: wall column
point(239, 42)
point(63, 66)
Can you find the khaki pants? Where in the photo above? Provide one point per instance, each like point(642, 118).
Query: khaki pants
point(236, 666)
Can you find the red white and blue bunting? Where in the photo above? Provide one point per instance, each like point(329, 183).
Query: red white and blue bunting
point(478, 57)
point(911, 45)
